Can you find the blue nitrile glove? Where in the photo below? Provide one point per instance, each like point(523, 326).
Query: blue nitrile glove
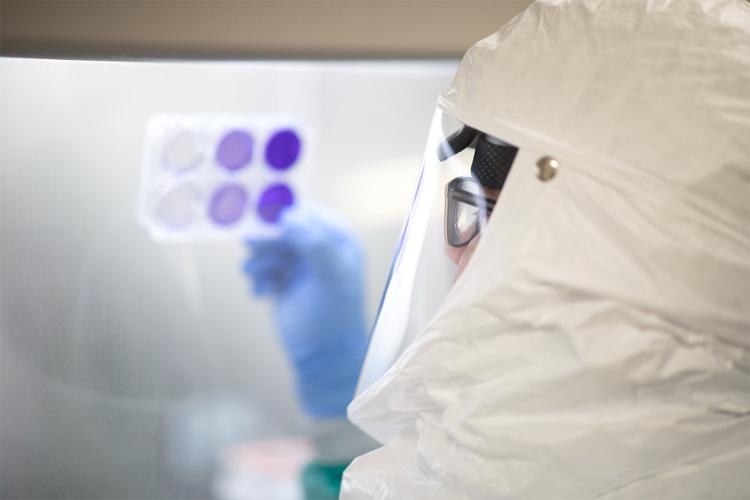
point(314, 273)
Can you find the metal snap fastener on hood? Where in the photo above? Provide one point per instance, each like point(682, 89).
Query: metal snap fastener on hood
point(547, 168)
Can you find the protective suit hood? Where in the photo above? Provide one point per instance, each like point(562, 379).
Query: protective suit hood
point(596, 346)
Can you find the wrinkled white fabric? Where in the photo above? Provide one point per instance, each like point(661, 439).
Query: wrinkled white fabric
point(597, 346)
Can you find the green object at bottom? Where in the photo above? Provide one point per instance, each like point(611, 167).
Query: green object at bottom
point(322, 481)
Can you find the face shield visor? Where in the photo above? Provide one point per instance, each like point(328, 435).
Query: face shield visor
point(462, 175)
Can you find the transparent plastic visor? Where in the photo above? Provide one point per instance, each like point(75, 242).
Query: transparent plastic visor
point(462, 173)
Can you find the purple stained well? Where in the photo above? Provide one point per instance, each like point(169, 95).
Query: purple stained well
point(235, 150)
point(228, 204)
point(283, 149)
point(274, 201)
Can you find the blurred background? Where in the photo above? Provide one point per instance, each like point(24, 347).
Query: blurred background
point(132, 369)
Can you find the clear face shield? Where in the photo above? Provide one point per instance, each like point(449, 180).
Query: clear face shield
point(463, 172)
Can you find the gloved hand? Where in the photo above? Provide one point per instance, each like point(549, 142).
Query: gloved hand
point(314, 273)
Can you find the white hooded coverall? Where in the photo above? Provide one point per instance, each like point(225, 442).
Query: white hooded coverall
point(597, 344)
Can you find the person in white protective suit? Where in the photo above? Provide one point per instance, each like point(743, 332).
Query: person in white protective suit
point(596, 344)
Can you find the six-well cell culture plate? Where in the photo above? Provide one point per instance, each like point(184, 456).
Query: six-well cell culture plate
point(230, 176)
